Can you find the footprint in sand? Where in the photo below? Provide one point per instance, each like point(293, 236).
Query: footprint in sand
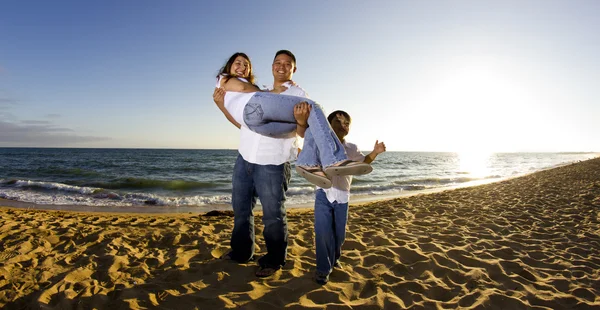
point(218, 252)
point(155, 299)
point(162, 295)
point(7, 255)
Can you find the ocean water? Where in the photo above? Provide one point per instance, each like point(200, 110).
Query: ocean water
point(168, 177)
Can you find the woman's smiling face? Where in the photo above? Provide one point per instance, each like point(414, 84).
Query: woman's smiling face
point(240, 67)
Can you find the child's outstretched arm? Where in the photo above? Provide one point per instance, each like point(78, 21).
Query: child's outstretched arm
point(377, 149)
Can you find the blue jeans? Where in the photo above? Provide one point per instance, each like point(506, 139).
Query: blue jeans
point(330, 231)
point(272, 115)
point(269, 183)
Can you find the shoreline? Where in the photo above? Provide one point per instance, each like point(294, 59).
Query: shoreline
point(355, 199)
point(152, 209)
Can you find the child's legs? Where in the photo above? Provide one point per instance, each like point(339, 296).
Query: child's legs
point(324, 234)
point(340, 219)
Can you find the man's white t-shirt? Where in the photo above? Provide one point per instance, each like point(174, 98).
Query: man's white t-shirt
point(340, 189)
point(265, 150)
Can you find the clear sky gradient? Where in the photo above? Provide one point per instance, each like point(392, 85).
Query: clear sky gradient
point(419, 75)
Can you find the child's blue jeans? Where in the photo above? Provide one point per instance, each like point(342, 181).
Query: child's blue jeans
point(330, 231)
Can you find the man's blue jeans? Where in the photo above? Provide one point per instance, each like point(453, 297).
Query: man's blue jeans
point(268, 183)
point(272, 114)
point(330, 231)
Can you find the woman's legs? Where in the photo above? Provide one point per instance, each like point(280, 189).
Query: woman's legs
point(311, 167)
point(269, 114)
point(330, 150)
point(319, 136)
point(274, 129)
point(309, 156)
point(269, 108)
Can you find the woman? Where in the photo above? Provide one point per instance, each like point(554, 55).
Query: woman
point(272, 114)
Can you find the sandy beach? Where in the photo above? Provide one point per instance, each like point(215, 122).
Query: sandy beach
point(531, 242)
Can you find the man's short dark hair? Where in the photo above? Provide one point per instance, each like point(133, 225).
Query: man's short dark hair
point(287, 53)
point(333, 115)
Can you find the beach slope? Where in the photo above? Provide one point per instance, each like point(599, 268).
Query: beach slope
point(526, 243)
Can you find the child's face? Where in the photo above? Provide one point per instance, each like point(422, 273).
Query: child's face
point(340, 125)
point(240, 67)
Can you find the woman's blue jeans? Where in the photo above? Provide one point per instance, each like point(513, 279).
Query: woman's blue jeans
point(272, 115)
point(330, 231)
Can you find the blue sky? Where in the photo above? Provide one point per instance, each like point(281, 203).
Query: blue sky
point(419, 75)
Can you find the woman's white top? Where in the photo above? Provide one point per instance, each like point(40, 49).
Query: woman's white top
point(235, 101)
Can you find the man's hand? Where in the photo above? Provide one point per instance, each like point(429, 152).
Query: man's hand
point(219, 97)
point(301, 113)
point(279, 89)
point(379, 147)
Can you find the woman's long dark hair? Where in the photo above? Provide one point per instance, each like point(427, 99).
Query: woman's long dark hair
point(227, 67)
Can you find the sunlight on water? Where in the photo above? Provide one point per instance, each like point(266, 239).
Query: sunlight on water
point(475, 163)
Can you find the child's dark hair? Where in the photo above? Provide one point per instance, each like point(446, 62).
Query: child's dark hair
point(227, 67)
point(333, 115)
point(286, 52)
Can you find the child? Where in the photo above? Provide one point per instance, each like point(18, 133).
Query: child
point(331, 205)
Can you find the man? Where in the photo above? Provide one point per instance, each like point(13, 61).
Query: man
point(263, 170)
point(331, 205)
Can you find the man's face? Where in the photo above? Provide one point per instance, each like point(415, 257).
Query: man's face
point(341, 126)
point(283, 67)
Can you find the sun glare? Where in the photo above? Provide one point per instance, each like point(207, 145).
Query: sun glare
point(474, 162)
point(473, 100)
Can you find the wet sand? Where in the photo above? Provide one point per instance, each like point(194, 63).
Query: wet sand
point(531, 242)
